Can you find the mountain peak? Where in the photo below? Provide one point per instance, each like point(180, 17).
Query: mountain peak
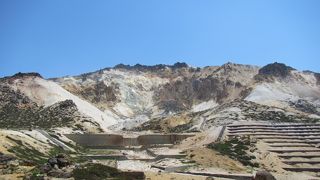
point(275, 70)
point(23, 75)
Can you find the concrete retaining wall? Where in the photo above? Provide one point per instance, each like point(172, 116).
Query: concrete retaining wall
point(96, 140)
point(114, 140)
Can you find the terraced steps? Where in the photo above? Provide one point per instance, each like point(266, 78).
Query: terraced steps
point(296, 144)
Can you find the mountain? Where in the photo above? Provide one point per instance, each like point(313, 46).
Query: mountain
point(228, 112)
point(166, 98)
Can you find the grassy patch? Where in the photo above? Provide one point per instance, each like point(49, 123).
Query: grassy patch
point(29, 154)
point(99, 171)
point(236, 148)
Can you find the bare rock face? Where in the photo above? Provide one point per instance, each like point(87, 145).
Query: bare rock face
point(317, 76)
point(100, 92)
point(181, 94)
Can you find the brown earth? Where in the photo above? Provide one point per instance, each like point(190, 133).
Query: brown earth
point(208, 158)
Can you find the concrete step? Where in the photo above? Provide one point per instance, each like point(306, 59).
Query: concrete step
point(275, 125)
point(113, 157)
point(291, 137)
point(301, 162)
point(291, 141)
point(274, 131)
point(293, 150)
point(274, 134)
point(298, 169)
point(291, 145)
point(220, 175)
point(275, 128)
point(286, 156)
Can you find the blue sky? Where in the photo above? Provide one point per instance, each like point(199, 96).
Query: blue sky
point(70, 37)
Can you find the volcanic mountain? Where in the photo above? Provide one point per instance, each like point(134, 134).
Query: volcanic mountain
point(161, 98)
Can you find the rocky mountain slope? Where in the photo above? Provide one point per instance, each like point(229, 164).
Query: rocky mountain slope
point(169, 98)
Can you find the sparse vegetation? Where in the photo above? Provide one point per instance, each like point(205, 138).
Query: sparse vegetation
point(237, 149)
point(99, 171)
point(29, 154)
point(57, 115)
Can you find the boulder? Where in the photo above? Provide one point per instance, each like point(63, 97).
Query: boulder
point(62, 162)
point(45, 168)
point(53, 161)
point(264, 175)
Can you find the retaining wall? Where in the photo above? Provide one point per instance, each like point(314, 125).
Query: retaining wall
point(117, 141)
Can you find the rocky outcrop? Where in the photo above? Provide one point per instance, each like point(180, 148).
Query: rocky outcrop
point(19, 75)
point(276, 69)
point(22, 75)
point(157, 67)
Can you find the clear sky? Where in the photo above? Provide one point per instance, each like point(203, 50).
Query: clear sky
point(70, 37)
